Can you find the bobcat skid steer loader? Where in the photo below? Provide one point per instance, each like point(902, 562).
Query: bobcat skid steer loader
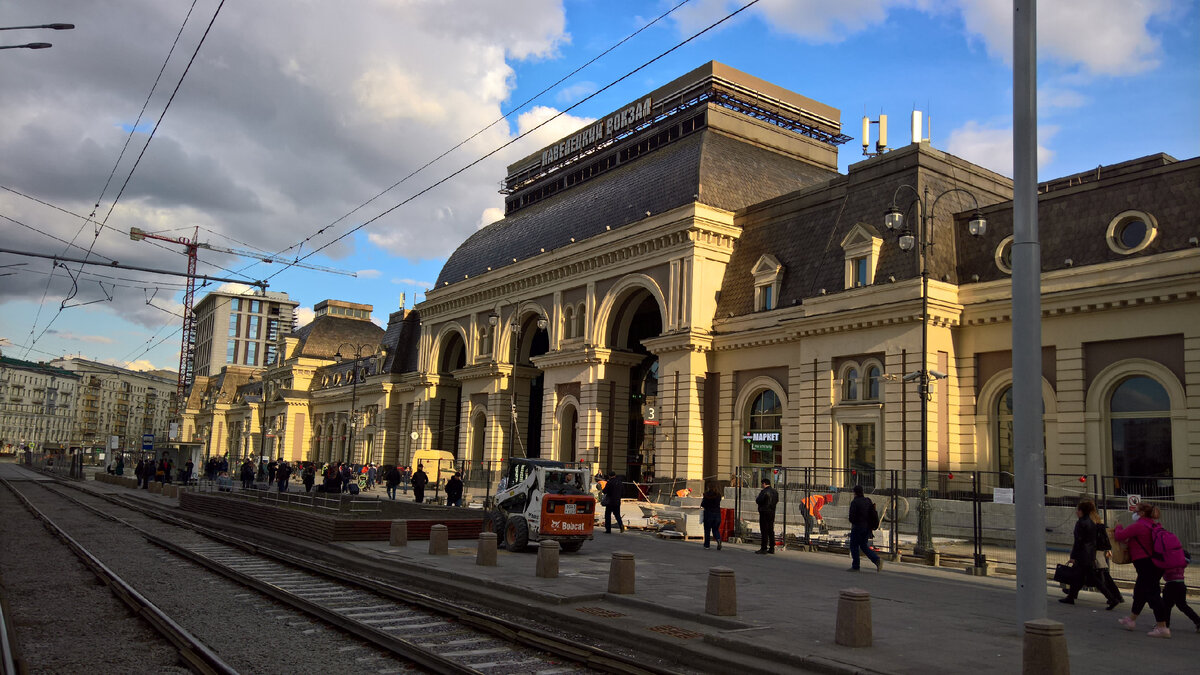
point(543, 499)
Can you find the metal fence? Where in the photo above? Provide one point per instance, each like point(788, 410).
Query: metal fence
point(480, 479)
point(972, 519)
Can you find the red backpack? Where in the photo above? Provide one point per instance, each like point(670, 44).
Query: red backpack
point(1168, 553)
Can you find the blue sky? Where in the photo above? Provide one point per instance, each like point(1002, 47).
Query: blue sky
point(275, 135)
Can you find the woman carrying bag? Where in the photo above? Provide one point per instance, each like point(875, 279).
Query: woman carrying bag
point(1084, 556)
point(1145, 589)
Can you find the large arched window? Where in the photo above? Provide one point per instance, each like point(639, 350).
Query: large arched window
point(850, 385)
point(765, 429)
point(871, 384)
point(1139, 412)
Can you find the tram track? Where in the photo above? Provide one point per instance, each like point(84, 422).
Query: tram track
point(439, 635)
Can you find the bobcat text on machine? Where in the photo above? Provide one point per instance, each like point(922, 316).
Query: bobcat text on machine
point(543, 499)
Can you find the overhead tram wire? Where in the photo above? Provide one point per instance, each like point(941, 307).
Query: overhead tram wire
point(498, 120)
point(520, 136)
point(129, 176)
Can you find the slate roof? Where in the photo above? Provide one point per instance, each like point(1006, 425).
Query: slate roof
point(804, 230)
point(1074, 213)
point(402, 339)
point(322, 337)
point(706, 166)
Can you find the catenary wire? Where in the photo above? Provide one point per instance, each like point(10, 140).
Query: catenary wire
point(473, 136)
point(518, 137)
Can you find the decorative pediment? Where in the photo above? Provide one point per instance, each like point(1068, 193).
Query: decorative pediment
point(861, 235)
point(767, 265)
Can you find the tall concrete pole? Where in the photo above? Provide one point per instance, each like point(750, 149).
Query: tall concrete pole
point(1027, 328)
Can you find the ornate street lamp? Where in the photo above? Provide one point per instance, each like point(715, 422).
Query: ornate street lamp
point(365, 350)
point(494, 320)
point(923, 240)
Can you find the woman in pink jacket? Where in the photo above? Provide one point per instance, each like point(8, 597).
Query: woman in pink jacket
point(1140, 539)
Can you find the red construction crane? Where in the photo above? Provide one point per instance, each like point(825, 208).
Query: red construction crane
point(187, 351)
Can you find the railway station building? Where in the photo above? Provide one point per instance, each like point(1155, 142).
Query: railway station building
point(688, 288)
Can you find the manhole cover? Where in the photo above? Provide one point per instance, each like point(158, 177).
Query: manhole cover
point(600, 611)
point(675, 631)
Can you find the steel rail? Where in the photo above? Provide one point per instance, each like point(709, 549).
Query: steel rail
point(198, 657)
point(587, 655)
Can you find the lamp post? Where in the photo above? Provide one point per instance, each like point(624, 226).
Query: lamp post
point(36, 45)
point(494, 320)
point(360, 350)
point(923, 241)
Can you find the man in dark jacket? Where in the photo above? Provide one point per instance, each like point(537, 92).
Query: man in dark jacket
point(283, 471)
point(614, 489)
point(454, 491)
point(247, 475)
point(419, 480)
point(861, 529)
point(392, 478)
point(767, 499)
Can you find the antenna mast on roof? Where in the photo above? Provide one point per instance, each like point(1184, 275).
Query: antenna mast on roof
point(880, 145)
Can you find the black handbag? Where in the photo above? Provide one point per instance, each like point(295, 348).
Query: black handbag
point(1065, 574)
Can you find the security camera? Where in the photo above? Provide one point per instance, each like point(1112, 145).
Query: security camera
point(913, 376)
point(938, 375)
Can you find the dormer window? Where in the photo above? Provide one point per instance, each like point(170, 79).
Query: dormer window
point(768, 277)
point(861, 247)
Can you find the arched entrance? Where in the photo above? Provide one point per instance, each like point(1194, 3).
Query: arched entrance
point(638, 318)
point(533, 341)
point(446, 406)
point(568, 427)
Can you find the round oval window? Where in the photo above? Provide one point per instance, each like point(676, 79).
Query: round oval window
point(1131, 231)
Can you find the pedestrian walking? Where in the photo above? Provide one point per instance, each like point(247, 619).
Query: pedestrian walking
point(247, 475)
point(283, 471)
point(309, 476)
point(767, 499)
point(139, 470)
point(121, 465)
point(614, 489)
point(1104, 558)
point(1084, 556)
point(711, 503)
point(864, 519)
point(392, 479)
point(1174, 595)
point(272, 467)
point(405, 478)
point(187, 472)
point(1140, 536)
point(454, 490)
point(419, 480)
point(372, 475)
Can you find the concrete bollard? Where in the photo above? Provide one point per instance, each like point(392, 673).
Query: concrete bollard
point(620, 573)
point(169, 491)
point(439, 536)
point(399, 533)
point(722, 592)
point(486, 554)
point(156, 487)
point(547, 559)
point(854, 618)
point(1045, 649)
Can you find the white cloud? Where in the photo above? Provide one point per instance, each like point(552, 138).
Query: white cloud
point(992, 147)
point(1104, 37)
point(489, 216)
point(274, 135)
point(66, 335)
point(412, 282)
point(304, 316)
point(141, 365)
point(570, 94)
point(369, 274)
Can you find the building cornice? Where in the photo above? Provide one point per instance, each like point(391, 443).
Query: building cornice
point(692, 226)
